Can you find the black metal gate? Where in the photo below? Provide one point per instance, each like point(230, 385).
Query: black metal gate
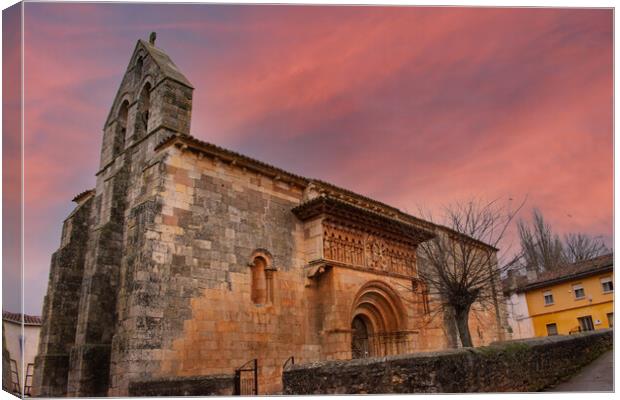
point(359, 339)
point(387, 343)
point(289, 361)
point(246, 379)
point(378, 344)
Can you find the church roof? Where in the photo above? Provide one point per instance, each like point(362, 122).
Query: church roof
point(168, 68)
point(17, 318)
point(81, 196)
point(231, 156)
point(326, 188)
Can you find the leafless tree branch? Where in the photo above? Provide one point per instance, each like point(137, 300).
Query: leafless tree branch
point(543, 250)
point(461, 265)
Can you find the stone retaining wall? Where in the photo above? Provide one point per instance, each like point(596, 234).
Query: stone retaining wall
point(217, 385)
point(525, 365)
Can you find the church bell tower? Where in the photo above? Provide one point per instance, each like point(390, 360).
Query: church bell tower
point(83, 331)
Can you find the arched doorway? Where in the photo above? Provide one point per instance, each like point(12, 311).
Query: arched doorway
point(377, 322)
point(359, 338)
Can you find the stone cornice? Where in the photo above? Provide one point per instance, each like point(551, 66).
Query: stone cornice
point(325, 264)
point(187, 142)
point(348, 214)
point(367, 203)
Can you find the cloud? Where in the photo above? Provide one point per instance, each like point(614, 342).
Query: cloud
point(413, 106)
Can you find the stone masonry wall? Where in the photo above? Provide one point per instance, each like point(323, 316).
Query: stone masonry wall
point(525, 365)
point(6, 366)
point(60, 306)
point(185, 309)
point(214, 385)
point(204, 202)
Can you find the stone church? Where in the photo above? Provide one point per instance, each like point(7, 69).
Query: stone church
point(188, 260)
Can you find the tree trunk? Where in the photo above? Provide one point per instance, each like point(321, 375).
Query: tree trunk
point(462, 323)
point(499, 328)
point(450, 329)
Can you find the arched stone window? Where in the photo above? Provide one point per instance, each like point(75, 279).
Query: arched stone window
point(144, 105)
point(259, 281)
point(121, 128)
point(262, 286)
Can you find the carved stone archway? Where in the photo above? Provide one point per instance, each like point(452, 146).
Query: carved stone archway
point(377, 321)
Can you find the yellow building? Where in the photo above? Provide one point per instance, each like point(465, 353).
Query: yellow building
point(578, 297)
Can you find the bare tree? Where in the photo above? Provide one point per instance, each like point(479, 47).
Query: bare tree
point(461, 265)
point(542, 250)
point(581, 247)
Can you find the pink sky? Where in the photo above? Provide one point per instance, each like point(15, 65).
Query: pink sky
point(416, 107)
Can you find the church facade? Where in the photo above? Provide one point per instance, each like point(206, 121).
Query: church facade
point(188, 259)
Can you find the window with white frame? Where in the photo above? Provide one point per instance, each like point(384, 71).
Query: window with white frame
point(608, 284)
point(548, 297)
point(579, 291)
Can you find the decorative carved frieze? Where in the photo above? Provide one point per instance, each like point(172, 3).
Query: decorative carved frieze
point(343, 245)
point(360, 249)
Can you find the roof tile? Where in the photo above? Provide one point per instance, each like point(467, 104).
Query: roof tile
point(569, 271)
point(17, 318)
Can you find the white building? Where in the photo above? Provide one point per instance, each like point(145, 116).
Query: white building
point(518, 316)
point(22, 345)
